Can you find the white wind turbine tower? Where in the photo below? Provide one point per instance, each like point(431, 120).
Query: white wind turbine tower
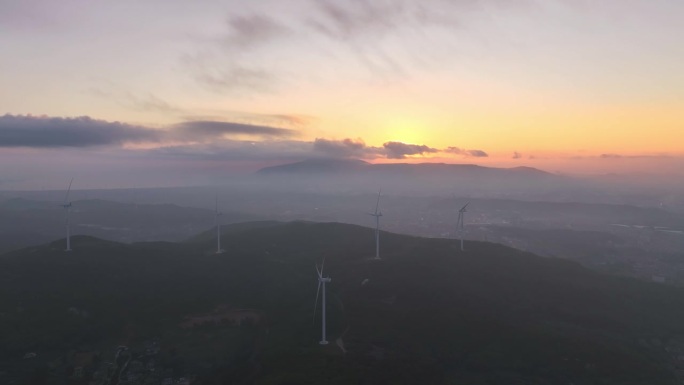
point(67, 207)
point(217, 214)
point(459, 223)
point(377, 214)
point(321, 281)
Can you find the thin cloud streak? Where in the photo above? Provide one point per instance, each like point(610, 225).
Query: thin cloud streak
point(253, 30)
point(215, 129)
point(620, 156)
point(224, 63)
point(228, 76)
point(238, 59)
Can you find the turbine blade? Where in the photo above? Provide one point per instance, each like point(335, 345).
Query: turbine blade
point(66, 197)
point(322, 264)
point(377, 204)
point(464, 207)
point(318, 271)
point(313, 319)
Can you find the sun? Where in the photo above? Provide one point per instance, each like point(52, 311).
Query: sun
point(405, 130)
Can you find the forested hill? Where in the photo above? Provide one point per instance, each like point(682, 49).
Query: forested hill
point(425, 313)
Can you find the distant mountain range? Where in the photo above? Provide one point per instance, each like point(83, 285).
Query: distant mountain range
point(408, 178)
point(318, 166)
point(355, 166)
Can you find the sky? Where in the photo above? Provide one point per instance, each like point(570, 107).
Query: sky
point(151, 92)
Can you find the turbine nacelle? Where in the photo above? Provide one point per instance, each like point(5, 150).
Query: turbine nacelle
point(320, 271)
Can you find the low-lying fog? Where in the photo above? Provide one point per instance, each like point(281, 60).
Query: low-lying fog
point(628, 226)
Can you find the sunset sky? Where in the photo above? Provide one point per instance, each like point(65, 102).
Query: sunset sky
point(202, 88)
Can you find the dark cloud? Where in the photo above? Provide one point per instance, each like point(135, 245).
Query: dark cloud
point(291, 150)
point(339, 148)
point(270, 150)
point(43, 131)
point(287, 150)
point(199, 139)
point(399, 150)
point(477, 153)
point(215, 129)
point(516, 155)
point(466, 153)
point(347, 148)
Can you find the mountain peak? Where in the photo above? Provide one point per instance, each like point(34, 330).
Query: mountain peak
point(316, 166)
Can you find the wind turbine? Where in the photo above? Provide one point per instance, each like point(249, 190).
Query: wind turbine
point(377, 214)
point(217, 214)
point(321, 281)
point(459, 223)
point(67, 207)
